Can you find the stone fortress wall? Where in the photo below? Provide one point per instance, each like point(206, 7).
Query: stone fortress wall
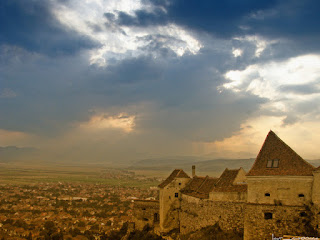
point(202, 213)
point(280, 195)
point(146, 212)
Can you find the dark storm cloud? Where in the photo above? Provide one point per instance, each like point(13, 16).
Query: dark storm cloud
point(294, 20)
point(142, 18)
point(290, 19)
point(52, 95)
point(222, 18)
point(31, 25)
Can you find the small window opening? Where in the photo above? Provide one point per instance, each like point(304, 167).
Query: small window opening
point(176, 195)
point(274, 163)
point(301, 195)
point(303, 214)
point(156, 217)
point(145, 219)
point(267, 215)
point(179, 183)
point(143, 209)
point(267, 194)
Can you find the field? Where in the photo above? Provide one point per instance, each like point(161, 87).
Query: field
point(19, 173)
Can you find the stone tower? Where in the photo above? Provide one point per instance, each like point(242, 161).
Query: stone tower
point(279, 187)
point(170, 200)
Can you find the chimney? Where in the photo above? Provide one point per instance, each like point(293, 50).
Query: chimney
point(193, 170)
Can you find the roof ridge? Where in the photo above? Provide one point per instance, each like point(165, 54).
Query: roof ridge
point(263, 146)
point(204, 180)
point(291, 149)
point(291, 163)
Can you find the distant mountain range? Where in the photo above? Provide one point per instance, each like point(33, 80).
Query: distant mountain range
point(214, 165)
point(166, 164)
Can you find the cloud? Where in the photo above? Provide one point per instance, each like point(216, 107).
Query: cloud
point(100, 122)
point(249, 139)
point(164, 75)
point(32, 26)
point(179, 94)
point(7, 93)
point(291, 86)
point(222, 18)
point(291, 21)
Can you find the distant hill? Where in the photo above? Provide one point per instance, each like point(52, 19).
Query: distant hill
point(214, 165)
point(13, 153)
point(315, 163)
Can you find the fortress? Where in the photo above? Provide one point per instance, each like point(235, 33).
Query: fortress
point(279, 195)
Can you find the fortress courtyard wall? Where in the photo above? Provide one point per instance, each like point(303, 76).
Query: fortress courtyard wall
point(146, 212)
point(197, 213)
point(261, 221)
point(228, 196)
point(289, 190)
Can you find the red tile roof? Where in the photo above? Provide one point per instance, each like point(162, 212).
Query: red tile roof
point(226, 180)
point(290, 163)
point(177, 173)
point(200, 187)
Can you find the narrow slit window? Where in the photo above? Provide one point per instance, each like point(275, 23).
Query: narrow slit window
point(301, 195)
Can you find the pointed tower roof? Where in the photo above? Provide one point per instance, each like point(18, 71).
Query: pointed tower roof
point(277, 158)
point(177, 173)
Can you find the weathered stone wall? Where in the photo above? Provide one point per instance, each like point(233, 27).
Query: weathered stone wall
point(286, 220)
point(228, 196)
point(170, 197)
point(316, 188)
point(197, 213)
point(145, 212)
point(287, 190)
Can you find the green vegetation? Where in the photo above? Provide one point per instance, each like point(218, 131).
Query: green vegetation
point(51, 174)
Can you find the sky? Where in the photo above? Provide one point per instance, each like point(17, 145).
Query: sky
point(120, 80)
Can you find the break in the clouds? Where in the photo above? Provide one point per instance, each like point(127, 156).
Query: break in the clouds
point(127, 79)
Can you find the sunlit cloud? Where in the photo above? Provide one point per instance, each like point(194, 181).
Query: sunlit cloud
point(16, 138)
point(119, 42)
point(286, 84)
point(237, 52)
point(246, 143)
point(260, 43)
point(122, 122)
